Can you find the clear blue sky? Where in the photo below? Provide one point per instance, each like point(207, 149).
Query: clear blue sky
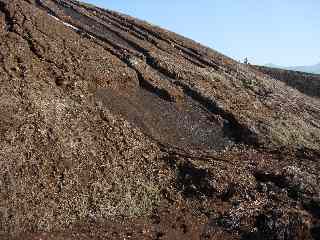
point(283, 32)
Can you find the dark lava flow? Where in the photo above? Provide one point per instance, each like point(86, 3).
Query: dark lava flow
point(183, 124)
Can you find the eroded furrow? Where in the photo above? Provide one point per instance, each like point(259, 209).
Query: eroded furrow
point(231, 128)
point(159, 43)
point(147, 83)
point(187, 52)
point(156, 39)
point(120, 51)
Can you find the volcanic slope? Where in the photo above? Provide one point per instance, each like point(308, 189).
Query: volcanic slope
point(112, 128)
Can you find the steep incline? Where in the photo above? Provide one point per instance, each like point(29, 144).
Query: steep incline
point(113, 128)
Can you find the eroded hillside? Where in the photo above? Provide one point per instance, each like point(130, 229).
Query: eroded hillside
point(112, 128)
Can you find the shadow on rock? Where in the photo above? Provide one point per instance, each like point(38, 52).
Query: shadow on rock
point(194, 182)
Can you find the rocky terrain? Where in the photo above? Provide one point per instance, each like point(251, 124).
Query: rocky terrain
point(112, 128)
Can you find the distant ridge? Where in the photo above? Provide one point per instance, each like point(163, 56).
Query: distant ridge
point(307, 83)
point(308, 69)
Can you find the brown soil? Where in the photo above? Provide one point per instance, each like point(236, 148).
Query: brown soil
point(112, 128)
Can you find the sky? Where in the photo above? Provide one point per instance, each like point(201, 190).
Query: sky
point(282, 32)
